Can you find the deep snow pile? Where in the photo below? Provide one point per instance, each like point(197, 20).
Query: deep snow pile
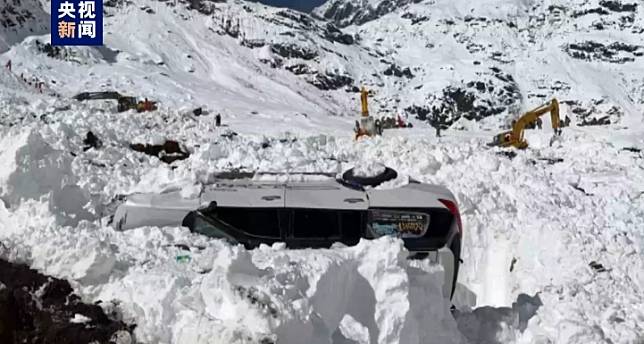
point(533, 224)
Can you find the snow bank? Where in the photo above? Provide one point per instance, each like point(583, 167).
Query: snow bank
point(33, 169)
point(182, 288)
point(368, 169)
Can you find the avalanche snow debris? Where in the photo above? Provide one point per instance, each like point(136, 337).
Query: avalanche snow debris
point(55, 205)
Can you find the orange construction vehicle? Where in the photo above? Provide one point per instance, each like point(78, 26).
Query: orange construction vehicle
point(515, 138)
point(367, 126)
point(125, 103)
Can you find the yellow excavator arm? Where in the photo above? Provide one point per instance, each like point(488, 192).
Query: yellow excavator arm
point(364, 94)
point(515, 138)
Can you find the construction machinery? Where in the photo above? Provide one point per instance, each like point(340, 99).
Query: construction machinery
point(514, 137)
point(125, 103)
point(367, 126)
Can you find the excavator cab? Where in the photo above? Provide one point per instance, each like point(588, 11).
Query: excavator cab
point(502, 140)
point(125, 103)
point(515, 138)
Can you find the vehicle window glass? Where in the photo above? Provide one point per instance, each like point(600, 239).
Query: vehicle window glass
point(255, 221)
point(351, 224)
point(199, 224)
point(313, 223)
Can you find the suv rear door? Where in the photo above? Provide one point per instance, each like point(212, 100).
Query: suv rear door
point(324, 213)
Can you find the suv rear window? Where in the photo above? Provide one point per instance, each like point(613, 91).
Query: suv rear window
point(262, 222)
point(315, 223)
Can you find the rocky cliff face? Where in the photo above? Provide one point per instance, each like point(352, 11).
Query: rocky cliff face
point(19, 19)
point(356, 12)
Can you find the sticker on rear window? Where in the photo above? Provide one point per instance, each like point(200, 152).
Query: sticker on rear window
point(398, 223)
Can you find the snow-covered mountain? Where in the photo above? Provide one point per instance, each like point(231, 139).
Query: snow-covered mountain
point(553, 234)
point(432, 60)
point(19, 19)
point(357, 12)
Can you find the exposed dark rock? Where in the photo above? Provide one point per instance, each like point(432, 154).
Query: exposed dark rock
point(297, 17)
point(253, 43)
point(632, 149)
point(91, 141)
point(398, 72)
point(56, 52)
point(617, 6)
point(597, 10)
point(414, 18)
point(293, 51)
point(590, 50)
point(35, 308)
point(147, 9)
point(229, 134)
point(299, 69)
point(332, 33)
point(168, 152)
point(474, 101)
point(345, 13)
point(331, 81)
point(596, 121)
point(597, 267)
point(116, 3)
point(206, 7)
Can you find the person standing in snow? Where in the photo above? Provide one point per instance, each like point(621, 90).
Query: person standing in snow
point(218, 120)
point(8, 65)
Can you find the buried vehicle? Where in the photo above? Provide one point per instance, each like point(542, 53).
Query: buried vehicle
point(313, 214)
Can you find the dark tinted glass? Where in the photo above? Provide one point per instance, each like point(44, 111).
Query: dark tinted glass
point(351, 224)
point(313, 223)
point(254, 221)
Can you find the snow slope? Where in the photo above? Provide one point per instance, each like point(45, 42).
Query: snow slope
point(533, 223)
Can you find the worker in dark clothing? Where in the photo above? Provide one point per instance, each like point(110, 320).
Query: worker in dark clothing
point(218, 120)
point(8, 65)
point(539, 123)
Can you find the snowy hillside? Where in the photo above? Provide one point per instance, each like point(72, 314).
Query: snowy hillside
point(348, 12)
point(554, 235)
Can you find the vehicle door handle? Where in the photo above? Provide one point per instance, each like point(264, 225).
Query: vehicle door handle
point(353, 200)
point(271, 197)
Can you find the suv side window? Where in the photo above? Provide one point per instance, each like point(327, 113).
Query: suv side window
point(262, 222)
point(315, 223)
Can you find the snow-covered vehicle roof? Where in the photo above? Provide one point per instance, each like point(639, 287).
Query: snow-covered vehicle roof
point(168, 209)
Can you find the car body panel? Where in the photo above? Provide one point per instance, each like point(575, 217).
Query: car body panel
point(244, 194)
point(413, 195)
point(166, 209)
point(324, 196)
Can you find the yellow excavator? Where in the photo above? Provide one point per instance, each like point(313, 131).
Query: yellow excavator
point(367, 126)
point(514, 137)
point(125, 103)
